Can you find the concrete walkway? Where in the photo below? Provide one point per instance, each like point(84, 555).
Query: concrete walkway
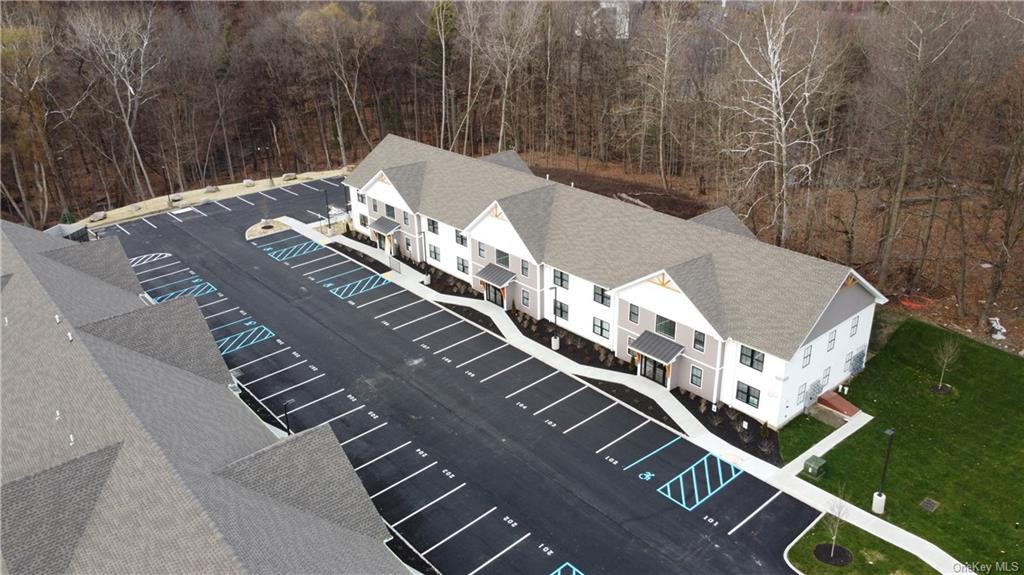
point(785, 479)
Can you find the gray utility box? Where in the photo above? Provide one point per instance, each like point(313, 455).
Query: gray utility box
point(815, 466)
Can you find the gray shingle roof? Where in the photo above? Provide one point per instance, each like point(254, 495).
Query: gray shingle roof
point(766, 297)
point(658, 347)
point(160, 506)
point(724, 219)
point(509, 159)
point(496, 275)
point(384, 225)
point(103, 259)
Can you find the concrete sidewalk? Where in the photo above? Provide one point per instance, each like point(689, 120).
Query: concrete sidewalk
point(785, 479)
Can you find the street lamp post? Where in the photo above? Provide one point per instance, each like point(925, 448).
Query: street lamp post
point(878, 503)
point(554, 316)
point(287, 427)
point(327, 206)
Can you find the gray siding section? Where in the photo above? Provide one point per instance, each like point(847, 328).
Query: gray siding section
point(849, 301)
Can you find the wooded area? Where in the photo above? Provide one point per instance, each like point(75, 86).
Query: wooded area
point(886, 136)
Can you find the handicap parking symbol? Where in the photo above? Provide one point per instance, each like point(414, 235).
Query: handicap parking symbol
point(646, 476)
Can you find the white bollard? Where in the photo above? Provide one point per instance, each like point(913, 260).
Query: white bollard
point(554, 342)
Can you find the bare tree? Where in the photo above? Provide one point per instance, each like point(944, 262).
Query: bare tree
point(509, 37)
point(838, 510)
point(946, 355)
point(659, 53)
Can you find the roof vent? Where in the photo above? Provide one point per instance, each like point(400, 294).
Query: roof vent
point(70, 337)
point(56, 317)
point(572, 184)
point(5, 321)
point(547, 176)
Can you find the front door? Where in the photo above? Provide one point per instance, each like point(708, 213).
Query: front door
point(494, 295)
point(382, 241)
point(652, 369)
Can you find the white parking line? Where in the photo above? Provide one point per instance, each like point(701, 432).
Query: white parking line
point(158, 267)
point(416, 320)
point(382, 456)
point(165, 275)
point(503, 551)
point(247, 384)
point(469, 361)
point(436, 331)
point(557, 401)
point(330, 183)
point(288, 191)
point(222, 205)
point(244, 200)
point(402, 480)
point(118, 226)
point(176, 218)
point(261, 358)
point(409, 516)
point(276, 393)
point(398, 309)
point(361, 306)
point(353, 410)
point(220, 313)
point(531, 385)
point(610, 405)
point(149, 222)
point(371, 430)
point(316, 400)
point(311, 261)
point(756, 511)
point(477, 334)
point(267, 196)
point(325, 268)
point(514, 365)
point(200, 212)
point(309, 186)
point(460, 530)
point(213, 302)
point(315, 214)
point(623, 436)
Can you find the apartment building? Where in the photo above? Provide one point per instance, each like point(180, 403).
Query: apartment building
point(698, 304)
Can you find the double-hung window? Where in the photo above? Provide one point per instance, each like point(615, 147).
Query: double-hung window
point(481, 249)
point(408, 245)
point(560, 278)
point(807, 356)
point(853, 325)
point(363, 221)
point(435, 253)
point(389, 211)
point(849, 361)
point(751, 358)
point(361, 198)
point(526, 298)
point(601, 327)
point(665, 327)
point(696, 376)
point(405, 218)
point(525, 268)
point(698, 340)
point(825, 375)
point(501, 258)
point(748, 395)
point(831, 340)
point(602, 296)
point(634, 313)
point(462, 265)
point(375, 205)
point(562, 310)
point(459, 238)
point(431, 226)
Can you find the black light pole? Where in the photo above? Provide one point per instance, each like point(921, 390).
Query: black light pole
point(554, 304)
point(885, 468)
point(287, 428)
point(327, 207)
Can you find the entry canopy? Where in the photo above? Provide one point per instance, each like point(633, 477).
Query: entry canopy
point(496, 275)
point(384, 226)
point(657, 347)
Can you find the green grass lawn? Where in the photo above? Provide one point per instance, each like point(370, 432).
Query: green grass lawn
point(799, 435)
point(965, 450)
point(871, 555)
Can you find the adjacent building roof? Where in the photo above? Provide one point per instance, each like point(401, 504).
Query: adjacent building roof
point(657, 347)
point(116, 440)
point(384, 225)
point(496, 275)
point(764, 296)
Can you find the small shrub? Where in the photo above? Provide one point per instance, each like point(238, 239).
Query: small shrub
point(703, 407)
point(746, 436)
point(766, 447)
point(737, 424)
point(731, 413)
point(716, 418)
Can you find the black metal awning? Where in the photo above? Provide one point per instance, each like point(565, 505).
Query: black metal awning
point(657, 347)
point(384, 226)
point(496, 275)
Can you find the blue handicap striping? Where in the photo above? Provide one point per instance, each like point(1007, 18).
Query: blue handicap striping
point(567, 569)
point(244, 339)
point(295, 251)
point(198, 289)
point(325, 280)
point(360, 286)
point(686, 489)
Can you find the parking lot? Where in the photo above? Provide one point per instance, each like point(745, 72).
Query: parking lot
point(478, 455)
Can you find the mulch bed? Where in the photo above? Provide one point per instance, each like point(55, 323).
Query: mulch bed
point(572, 346)
point(638, 400)
point(474, 316)
point(841, 557)
point(757, 440)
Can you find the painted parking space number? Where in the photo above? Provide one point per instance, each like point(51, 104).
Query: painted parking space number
point(611, 460)
point(510, 521)
point(546, 550)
